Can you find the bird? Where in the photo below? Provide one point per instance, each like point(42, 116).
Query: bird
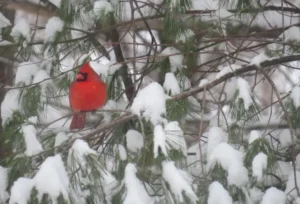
point(87, 93)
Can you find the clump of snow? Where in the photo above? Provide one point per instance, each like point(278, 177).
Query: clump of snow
point(231, 160)
point(134, 140)
point(171, 84)
point(79, 150)
point(102, 8)
point(175, 57)
point(184, 82)
point(21, 29)
point(25, 72)
point(244, 92)
point(218, 194)
point(179, 181)
point(3, 185)
point(258, 59)
point(110, 184)
point(136, 192)
point(4, 22)
point(41, 77)
point(52, 179)
point(150, 103)
point(9, 105)
point(104, 67)
point(237, 175)
point(216, 136)
point(33, 146)
point(21, 190)
point(293, 33)
point(227, 69)
point(203, 82)
point(273, 196)
point(53, 26)
point(174, 137)
point(255, 194)
point(295, 95)
point(254, 134)
point(259, 164)
point(121, 151)
point(60, 138)
point(159, 140)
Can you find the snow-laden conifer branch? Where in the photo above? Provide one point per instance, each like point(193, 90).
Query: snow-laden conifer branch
point(241, 70)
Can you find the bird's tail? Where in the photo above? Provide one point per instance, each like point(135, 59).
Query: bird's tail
point(78, 121)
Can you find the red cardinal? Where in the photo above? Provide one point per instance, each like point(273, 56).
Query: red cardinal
point(87, 93)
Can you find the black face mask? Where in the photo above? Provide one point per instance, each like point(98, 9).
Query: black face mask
point(84, 75)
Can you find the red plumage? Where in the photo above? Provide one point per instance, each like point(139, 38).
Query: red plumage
point(87, 93)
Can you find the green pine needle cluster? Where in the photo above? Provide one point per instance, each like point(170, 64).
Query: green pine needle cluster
point(238, 111)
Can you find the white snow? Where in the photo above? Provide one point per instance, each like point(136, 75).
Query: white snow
point(110, 184)
point(21, 28)
point(33, 146)
point(4, 22)
point(295, 95)
point(216, 136)
point(174, 137)
point(79, 150)
point(152, 101)
point(259, 164)
point(218, 194)
point(52, 179)
point(237, 175)
point(227, 69)
point(25, 72)
point(122, 152)
point(60, 138)
point(104, 67)
point(171, 84)
point(231, 160)
point(203, 82)
point(175, 57)
point(102, 8)
point(53, 26)
point(41, 77)
point(244, 92)
point(258, 59)
point(159, 140)
point(135, 191)
point(9, 105)
point(273, 196)
point(293, 33)
point(3, 185)
point(255, 195)
point(21, 191)
point(134, 140)
point(178, 181)
point(254, 134)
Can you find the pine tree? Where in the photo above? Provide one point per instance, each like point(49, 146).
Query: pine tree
point(239, 90)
